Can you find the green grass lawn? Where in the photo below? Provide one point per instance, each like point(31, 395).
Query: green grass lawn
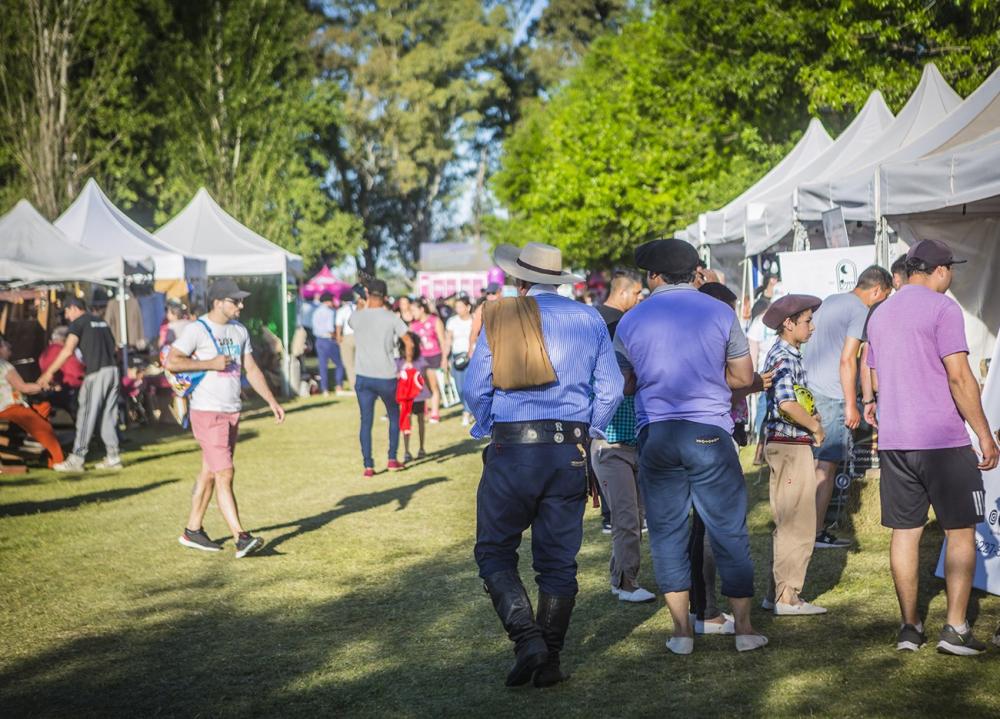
point(365, 601)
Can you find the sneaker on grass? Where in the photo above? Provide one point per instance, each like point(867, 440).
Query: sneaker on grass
point(247, 543)
point(198, 539)
point(962, 645)
point(910, 639)
point(72, 463)
point(109, 463)
point(826, 540)
point(605, 527)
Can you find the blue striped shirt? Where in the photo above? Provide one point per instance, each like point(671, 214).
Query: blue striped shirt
point(588, 384)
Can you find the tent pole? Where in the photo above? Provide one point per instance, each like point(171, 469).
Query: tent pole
point(122, 325)
point(285, 354)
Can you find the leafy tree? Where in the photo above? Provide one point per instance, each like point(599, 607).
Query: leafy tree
point(687, 106)
point(414, 79)
point(241, 116)
point(69, 104)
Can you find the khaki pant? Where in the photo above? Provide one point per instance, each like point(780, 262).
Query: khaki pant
point(617, 469)
point(347, 356)
point(793, 506)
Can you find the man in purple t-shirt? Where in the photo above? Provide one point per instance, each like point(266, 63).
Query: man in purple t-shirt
point(919, 356)
point(683, 353)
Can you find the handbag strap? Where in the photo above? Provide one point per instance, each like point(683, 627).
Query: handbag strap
point(209, 330)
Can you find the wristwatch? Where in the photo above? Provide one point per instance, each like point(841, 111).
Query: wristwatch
point(873, 400)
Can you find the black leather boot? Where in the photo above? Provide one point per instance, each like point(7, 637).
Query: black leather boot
point(511, 602)
point(553, 619)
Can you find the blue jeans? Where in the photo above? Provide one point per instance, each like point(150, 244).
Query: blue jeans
point(368, 389)
point(542, 486)
point(834, 447)
point(327, 350)
point(459, 375)
point(680, 463)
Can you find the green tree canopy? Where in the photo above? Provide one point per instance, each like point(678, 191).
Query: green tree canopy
point(688, 105)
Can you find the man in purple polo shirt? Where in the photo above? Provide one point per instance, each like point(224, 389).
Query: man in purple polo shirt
point(686, 354)
point(926, 388)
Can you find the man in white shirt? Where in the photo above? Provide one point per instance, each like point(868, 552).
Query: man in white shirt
point(218, 347)
point(327, 349)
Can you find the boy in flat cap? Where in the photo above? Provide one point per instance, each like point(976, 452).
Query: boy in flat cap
point(791, 428)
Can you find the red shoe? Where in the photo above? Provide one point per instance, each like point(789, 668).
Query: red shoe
point(369, 472)
point(435, 418)
point(395, 466)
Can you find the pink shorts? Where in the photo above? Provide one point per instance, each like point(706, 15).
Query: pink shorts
point(216, 433)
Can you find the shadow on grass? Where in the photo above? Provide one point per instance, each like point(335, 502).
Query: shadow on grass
point(401, 496)
point(20, 509)
point(425, 642)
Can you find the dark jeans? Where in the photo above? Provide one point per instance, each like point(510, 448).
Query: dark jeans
point(680, 463)
point(327, 350)
point(542, 486)
point(368, 389)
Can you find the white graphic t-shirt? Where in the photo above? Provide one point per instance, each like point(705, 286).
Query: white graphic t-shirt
point(217, 391)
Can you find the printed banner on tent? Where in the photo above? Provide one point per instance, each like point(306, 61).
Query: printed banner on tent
point(824, 272)
point(988, 532)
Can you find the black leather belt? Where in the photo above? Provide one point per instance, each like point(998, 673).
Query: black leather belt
point(543, 431)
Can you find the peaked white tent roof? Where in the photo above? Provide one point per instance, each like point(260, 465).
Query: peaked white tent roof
point(851, 184)
point(205, 229)
point(94, 222)
point(33, 249)
point(726, 224)
point(769, 218)
point(954, 164)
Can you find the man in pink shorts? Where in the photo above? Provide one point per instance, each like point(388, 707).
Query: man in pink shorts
point(218, 345)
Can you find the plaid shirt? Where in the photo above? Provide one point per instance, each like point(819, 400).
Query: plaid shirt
point(621, 430)
point(786, 361)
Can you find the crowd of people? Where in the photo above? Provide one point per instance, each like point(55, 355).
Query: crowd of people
point(651, 393)
point(642, 400)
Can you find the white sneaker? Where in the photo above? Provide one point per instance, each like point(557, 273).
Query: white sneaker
point(681, 645)
point(703, 627)
point(801, 609)
point(636, 596)
point(72, 463)
point(749, 642)
point(109, 463)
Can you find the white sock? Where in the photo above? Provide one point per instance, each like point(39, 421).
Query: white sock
point(962, 628)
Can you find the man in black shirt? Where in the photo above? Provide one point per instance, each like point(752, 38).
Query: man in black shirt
point(624, 294)
point(98, 396)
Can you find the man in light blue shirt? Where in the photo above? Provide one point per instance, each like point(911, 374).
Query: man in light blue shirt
point(535, 468)
point(327, 349)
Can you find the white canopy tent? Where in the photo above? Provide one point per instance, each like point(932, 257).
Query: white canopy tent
point(852, 186)
point(33, 250)
point(204, 229)
point(231, 249)
point(726, 224)
point(770, 218)
point(94, 222)
point(953, 193)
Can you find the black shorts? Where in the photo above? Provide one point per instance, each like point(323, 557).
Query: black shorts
point(419, 407)
point(946, 479)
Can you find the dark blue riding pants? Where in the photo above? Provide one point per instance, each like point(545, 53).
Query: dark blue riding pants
point(541, 486)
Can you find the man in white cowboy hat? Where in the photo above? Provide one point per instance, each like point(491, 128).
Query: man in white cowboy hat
point(542, 381)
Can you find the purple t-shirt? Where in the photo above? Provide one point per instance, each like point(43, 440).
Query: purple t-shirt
point(677, 342)
point(908, 335)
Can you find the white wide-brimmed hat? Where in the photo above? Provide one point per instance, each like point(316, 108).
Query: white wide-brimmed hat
point(535, 262)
